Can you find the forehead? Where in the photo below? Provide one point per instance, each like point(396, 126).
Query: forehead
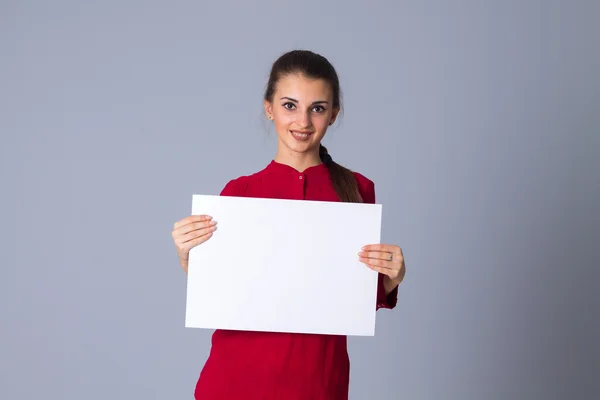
point(302, 88)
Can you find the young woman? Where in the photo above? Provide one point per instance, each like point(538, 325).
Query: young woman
point(302, 100)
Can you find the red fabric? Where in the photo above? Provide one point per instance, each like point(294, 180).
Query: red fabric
point(282, 366)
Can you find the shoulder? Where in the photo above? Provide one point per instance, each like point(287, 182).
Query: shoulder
point(238, 186)
point(366, 187)
point(235, 187)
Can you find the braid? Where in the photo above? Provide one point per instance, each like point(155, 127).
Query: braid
point(324, 155)
point(344, 181)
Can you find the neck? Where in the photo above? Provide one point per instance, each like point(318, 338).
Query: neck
point(298, 161)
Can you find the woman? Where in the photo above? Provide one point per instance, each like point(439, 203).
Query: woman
point(302, 99)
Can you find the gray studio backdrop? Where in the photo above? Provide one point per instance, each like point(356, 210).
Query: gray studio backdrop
point(479, 121)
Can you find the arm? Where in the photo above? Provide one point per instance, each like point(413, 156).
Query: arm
point(387, 290)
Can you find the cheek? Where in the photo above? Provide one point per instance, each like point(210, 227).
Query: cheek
point(283, 120)
point(321, 122)
point(282, 125)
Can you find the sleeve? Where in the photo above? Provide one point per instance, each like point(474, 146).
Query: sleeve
point(383, 301)
point(234, 188)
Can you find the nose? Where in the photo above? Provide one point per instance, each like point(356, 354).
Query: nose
point(303, 120)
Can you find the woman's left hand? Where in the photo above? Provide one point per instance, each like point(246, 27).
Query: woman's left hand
point(386, 259)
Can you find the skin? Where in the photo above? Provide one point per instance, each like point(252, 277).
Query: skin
point(300, 105)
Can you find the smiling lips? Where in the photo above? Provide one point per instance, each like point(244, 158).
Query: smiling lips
point(301, 135)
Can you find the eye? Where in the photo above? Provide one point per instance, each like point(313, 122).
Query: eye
point(318, 109)
point(289, 105)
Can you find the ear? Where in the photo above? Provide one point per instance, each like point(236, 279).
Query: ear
point(334, 116)
point(268, 109)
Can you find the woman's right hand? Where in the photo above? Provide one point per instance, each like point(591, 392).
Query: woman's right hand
point(189, 233)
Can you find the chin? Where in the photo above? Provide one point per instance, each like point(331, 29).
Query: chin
point(299, 148)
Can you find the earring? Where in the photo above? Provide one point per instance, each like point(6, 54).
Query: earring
point(270, 117)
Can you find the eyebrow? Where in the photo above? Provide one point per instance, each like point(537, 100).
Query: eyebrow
point(313, 103)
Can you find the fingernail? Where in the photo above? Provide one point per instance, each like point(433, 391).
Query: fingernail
point(213, 222)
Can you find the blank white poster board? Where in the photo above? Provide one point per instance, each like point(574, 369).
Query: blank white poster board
point(284, 266)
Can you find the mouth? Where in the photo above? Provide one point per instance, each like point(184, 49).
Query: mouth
point(301, 135)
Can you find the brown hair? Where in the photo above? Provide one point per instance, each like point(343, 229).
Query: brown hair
point(315, 66)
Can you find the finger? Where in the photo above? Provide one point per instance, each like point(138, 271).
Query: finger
point(384, 271)
point(390, 248)
point(378, 255)
point(196, 233)
point(193, 243)
point(193, 227)
point(191, 219)
point(376, 263)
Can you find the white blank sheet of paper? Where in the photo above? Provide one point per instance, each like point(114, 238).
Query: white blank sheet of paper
point(284, 266)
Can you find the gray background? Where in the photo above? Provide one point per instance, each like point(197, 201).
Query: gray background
point(479, 121)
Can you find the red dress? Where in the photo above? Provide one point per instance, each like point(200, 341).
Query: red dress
point(283, 366)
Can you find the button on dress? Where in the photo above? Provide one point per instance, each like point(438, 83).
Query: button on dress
point(246, 365)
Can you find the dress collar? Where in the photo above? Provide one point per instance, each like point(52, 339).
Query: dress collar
point(284, 169)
